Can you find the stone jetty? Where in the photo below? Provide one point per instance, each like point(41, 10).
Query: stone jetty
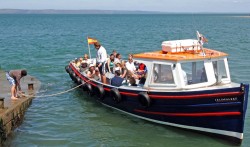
point(12, 111)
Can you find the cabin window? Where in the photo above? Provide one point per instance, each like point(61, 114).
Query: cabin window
point(162, 74)
point(220, 70)
point(194, 72)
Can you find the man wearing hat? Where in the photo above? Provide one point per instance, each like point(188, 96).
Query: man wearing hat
point(91, 71)
point(101, 58)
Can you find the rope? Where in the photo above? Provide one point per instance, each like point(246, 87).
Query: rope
point(53, 94)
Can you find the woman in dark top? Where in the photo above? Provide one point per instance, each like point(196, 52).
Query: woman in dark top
point(110, 63)
point(123, 70)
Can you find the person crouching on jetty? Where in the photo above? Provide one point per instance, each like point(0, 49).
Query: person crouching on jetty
point(14, 77)
point(101, 58)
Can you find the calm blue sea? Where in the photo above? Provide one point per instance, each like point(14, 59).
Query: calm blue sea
point(44, 44)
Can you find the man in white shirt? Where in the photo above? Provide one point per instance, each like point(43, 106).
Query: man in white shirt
point(131, 66)
point(101, 57)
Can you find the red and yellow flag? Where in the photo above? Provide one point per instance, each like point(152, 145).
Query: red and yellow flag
point(91, 40)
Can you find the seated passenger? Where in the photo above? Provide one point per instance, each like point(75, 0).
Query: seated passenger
point(81, 60)
point(91, 71)
point(142, 69)
point(117, 67)
point(86, 59)
point(73, 62)
point(136, 65)
point(114, 53)
point(110, 63)
point(78, 63)
point(118, 58)
point(131, 67)
point(130, 64)
point(123, 70)
point(83, 66)
point(97, 75)
point(132, 81)
point(117, 80)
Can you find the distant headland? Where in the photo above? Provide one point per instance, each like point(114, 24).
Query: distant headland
point(54, 11)
point(92, 11)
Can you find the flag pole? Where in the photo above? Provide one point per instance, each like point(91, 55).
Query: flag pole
point(199, 37)
point(88, 47)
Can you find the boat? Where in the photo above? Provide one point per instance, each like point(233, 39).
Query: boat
point(187, 86)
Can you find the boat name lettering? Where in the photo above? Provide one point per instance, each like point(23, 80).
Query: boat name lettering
point(226, 99)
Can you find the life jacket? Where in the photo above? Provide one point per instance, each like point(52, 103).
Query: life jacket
point(142, 66)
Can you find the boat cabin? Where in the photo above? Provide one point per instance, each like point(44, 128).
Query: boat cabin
point(185, 66)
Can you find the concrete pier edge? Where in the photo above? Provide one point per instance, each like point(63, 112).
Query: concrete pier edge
point(12, 114)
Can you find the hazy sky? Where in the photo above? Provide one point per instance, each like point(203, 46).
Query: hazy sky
point(145, 5)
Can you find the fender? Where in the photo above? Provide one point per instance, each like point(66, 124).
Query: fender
point(115, 95)
point(99, 91)
point(144, 99)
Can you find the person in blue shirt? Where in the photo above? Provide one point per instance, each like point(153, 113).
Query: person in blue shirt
point(117, 80)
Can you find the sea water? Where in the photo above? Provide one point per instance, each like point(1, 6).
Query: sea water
point(44, 45)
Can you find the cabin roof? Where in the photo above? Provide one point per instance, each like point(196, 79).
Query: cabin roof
point(182, 56)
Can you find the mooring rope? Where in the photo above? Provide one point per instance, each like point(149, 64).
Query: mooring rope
point(59, 93)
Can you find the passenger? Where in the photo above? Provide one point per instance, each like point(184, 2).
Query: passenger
point(130, 64)
point(91, 71)
point(14, 77)
point(101, 58)
point(97, 75)
point(75, 61)
point(142, 69)
point(123, 70)
point(86, 59)
point(118, 58)
point(117, 80)
point(114, 53)
point(132, 81)
point(80, 59)
point(110, 63)
point(78, 63)
point(131, 67)
point(117, 67)
point(84, 66)
point(136, 65)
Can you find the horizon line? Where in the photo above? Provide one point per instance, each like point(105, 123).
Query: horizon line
point(88, 11)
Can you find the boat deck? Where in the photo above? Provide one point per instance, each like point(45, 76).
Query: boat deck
point(181, 56)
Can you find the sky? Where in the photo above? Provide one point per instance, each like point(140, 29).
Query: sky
point(229, 6)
